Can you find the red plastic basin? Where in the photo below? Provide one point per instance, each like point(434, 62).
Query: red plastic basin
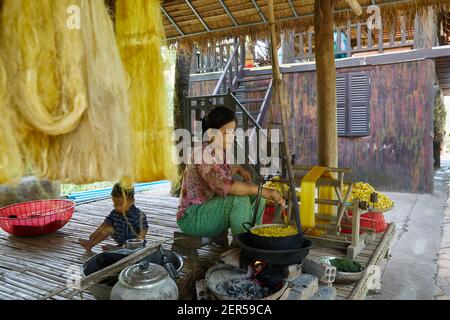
point(370, 220)
point(36, 217)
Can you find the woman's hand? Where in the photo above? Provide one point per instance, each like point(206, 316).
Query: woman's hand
point(273, 195)
point(246, 176)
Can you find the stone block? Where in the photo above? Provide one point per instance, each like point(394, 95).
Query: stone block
point(324, 272)
point(325, 293)
point(231, 257)
point(292, 272)
point(303, 287)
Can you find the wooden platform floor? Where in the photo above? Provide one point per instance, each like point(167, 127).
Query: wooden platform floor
point(373, 254)
point(31, 267)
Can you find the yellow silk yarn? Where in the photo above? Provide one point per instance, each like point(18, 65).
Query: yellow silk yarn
point(69, 90)
point(11, 164)
point(140, 36)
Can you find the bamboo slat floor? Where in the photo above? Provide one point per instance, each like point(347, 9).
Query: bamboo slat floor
point(31, 267)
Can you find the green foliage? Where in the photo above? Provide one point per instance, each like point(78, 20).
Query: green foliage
point(69, 188)
point(346, 265)
point(439, 118)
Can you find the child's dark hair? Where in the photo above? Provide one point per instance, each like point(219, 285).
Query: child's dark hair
point(119, 191)
point(217, 118)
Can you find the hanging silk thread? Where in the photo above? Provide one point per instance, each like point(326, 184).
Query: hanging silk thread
point(140, 36)
point(69, 91)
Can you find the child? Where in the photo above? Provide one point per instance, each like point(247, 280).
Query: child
point(123, 223)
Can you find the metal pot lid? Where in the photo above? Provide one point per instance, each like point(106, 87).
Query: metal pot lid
point(144, 275)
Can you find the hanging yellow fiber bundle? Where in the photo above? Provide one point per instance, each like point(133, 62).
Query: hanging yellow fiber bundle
point(69, 89)
point(105, 126)
point(140, 38)
point(11, 166)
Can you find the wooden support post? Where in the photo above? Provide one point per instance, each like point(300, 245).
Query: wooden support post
point(280, 100)
point(356, 214)
point(326, 83)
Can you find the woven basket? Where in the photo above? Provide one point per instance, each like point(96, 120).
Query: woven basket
point(348, 277)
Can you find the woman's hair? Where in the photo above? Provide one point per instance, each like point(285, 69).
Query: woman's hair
point(217, 118)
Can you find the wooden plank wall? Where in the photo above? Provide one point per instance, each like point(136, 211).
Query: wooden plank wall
point(201, 88)
point(398, 155)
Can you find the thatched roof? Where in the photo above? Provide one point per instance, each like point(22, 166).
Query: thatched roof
point(190, 21)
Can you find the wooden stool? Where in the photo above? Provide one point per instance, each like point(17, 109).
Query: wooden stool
point(188, 245)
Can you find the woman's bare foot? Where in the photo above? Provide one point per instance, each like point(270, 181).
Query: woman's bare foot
point(107, 247)
point(85, 244)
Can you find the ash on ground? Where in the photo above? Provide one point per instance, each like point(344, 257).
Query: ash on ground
point(242, 289)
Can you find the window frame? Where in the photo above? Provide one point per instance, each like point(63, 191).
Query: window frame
point(349, 105)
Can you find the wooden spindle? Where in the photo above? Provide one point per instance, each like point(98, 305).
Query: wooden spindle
point(358, 36)
point(392, 36)
point(349, 39)
point(310, 53)
point(292, 46)
point(380, 38)
point(221, 56)
point(302, 49)
point(338, 40)
point(403, 29)
point(369, 37)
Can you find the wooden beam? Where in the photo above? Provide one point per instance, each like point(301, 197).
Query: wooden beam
point(259, 11)
point(294, 11)
point(171, 21)
point(228, 13)
point(356, 7)
point(326, 83)
point(197, 15)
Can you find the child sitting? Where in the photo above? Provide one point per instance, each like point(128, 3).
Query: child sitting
point(123, 223)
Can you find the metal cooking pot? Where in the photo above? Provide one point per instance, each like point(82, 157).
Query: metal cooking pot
point(273, 256)
point(145, 281)
point(271, 243)
point(102, 290)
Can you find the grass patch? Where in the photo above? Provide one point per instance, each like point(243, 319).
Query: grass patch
point(70, 188)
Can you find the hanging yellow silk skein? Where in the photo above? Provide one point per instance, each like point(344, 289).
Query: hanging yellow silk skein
point(50, 95)
point(105, 126)
point(11, 166)
point(140, 37)
point(69, 89)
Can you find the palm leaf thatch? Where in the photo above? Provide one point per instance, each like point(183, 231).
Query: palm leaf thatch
point(204, 21)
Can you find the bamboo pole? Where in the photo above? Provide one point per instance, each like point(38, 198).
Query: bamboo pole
point(326, 83)
point(280, 100)
point(374, 261)
point(356, 7)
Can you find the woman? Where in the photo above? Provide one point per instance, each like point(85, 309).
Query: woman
point(211, 201)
